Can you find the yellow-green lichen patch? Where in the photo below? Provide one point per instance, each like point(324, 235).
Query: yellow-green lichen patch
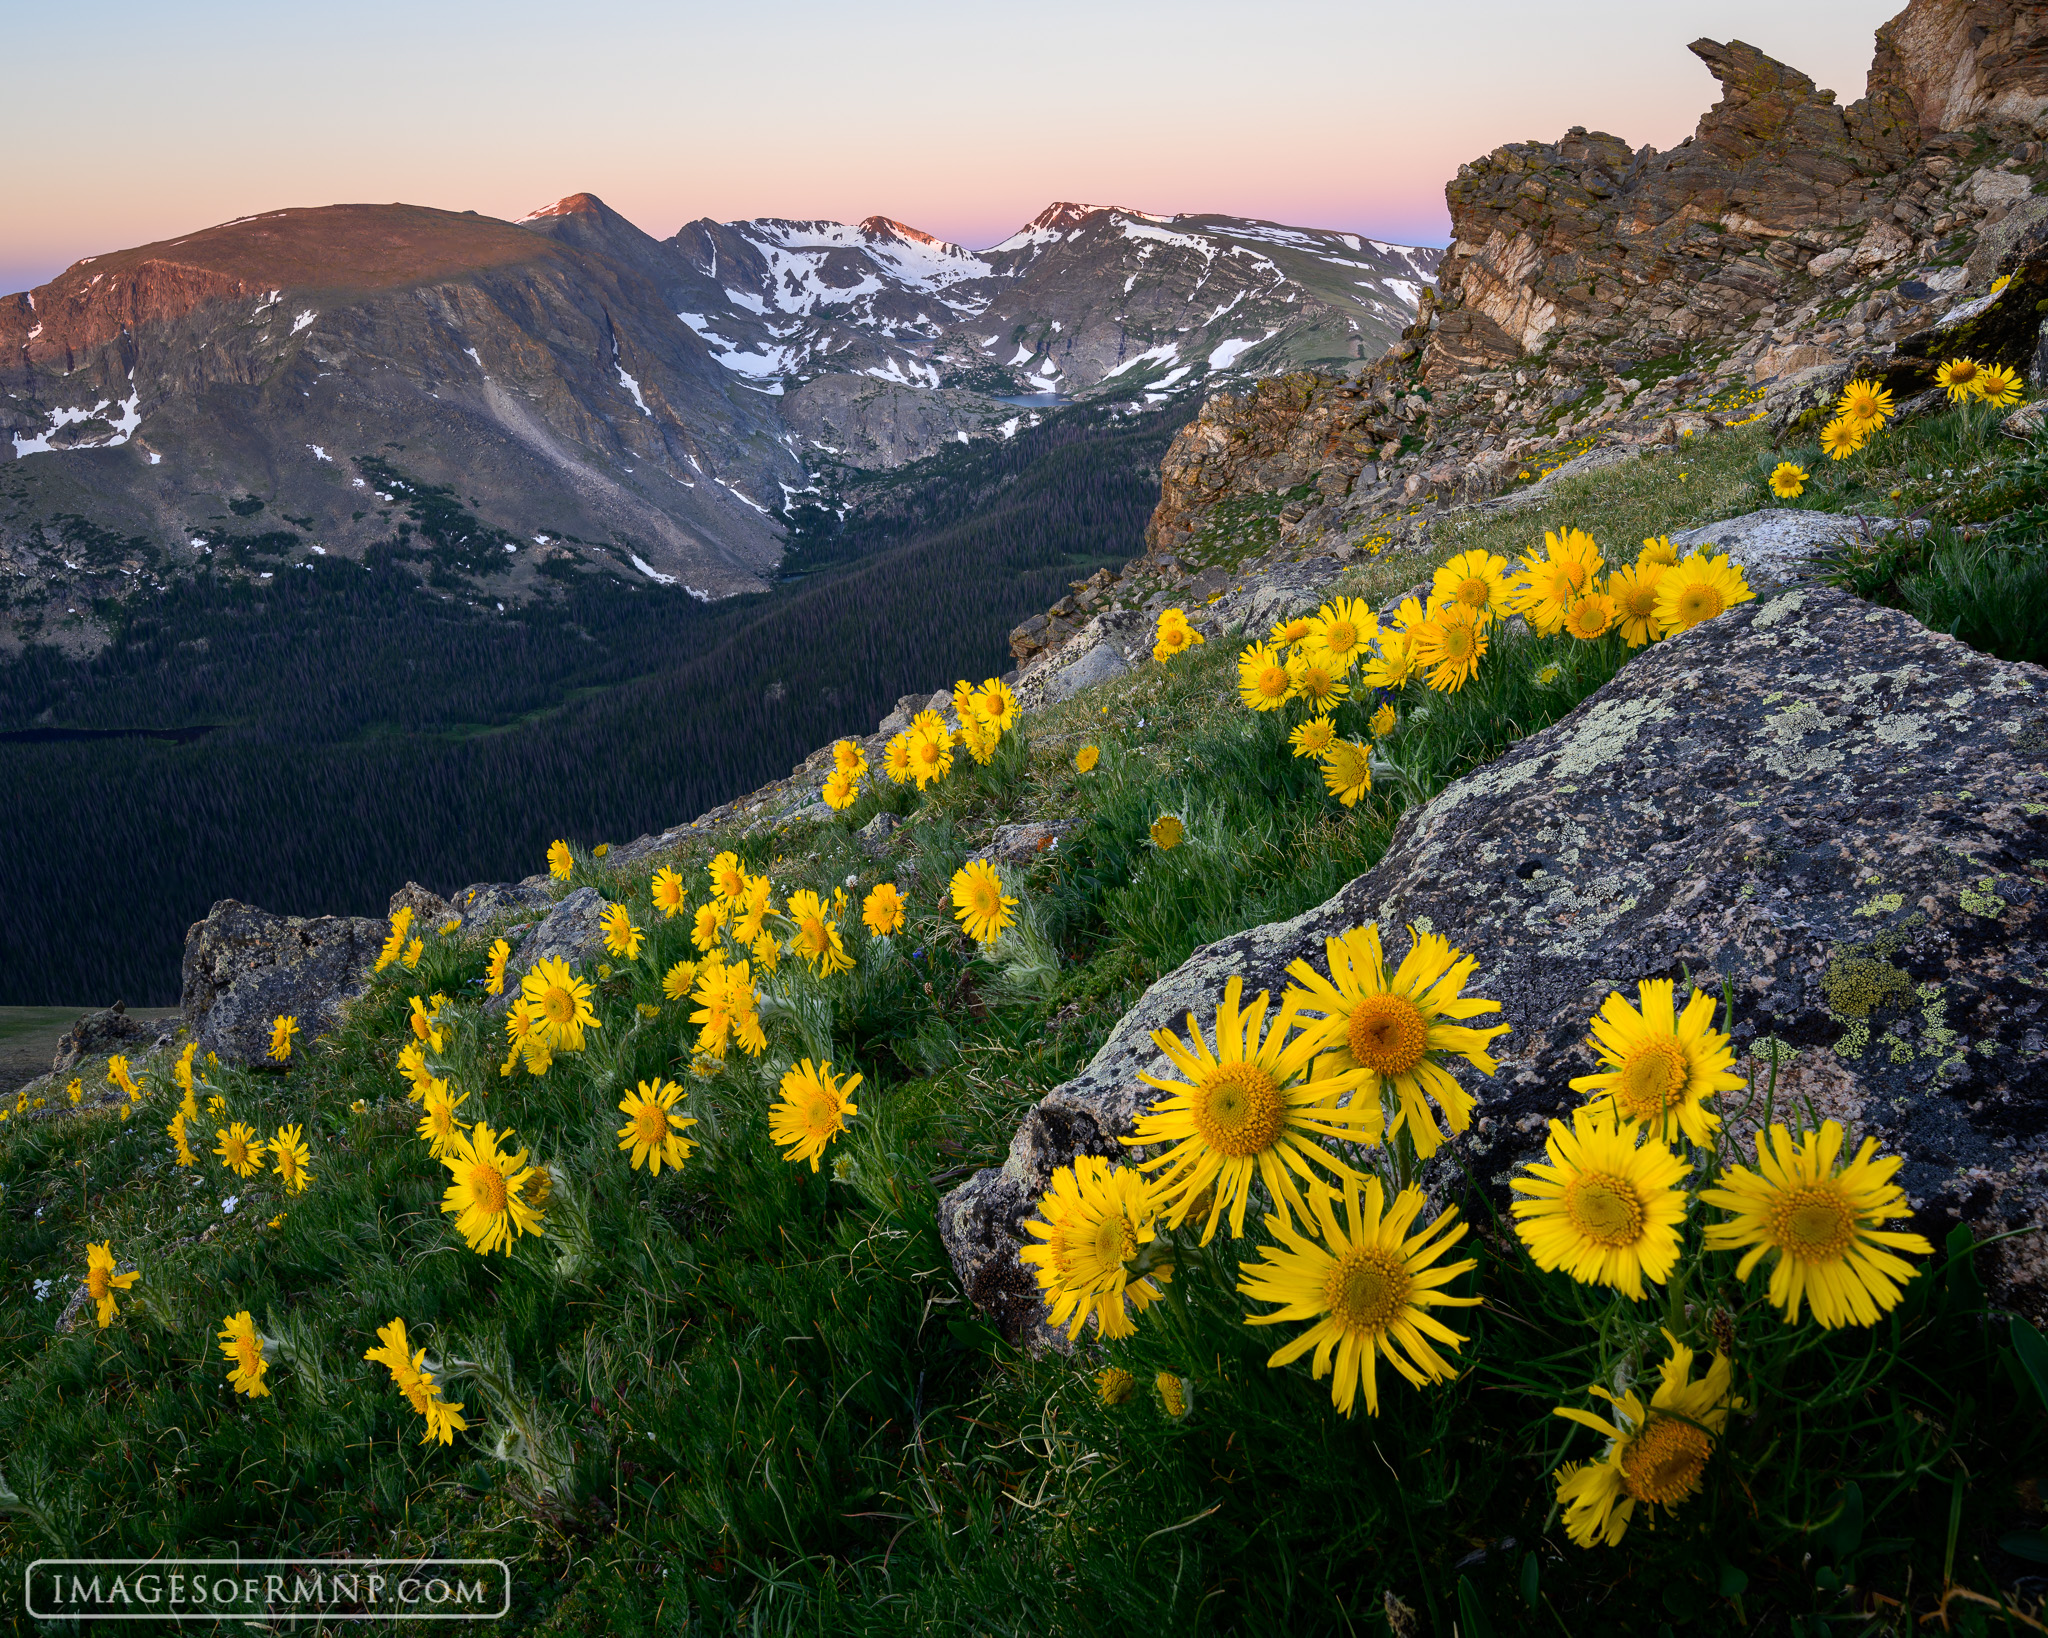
point(1605, 733)
point(1858, 984)
point(1883, 905)
point(1981, 901)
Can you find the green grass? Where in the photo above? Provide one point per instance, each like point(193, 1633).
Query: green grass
point(746, 1396)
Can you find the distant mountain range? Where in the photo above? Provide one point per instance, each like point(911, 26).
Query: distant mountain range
point(570, 392)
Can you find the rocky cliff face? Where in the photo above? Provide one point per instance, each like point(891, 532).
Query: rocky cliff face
point(1597, 294)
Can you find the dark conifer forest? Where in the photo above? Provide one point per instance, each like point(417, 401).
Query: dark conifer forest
point(311, 745)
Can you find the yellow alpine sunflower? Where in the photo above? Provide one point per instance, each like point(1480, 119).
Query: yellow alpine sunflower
point(1634, 594)
point(1787, 480)
point(1590, 617)
point(1998, 385)
point(562, 1001)
point(621, 937)
point(1475, 580)
point(1958, 378)
point(1291, 633)
point(118, 1074)
point(425, 1023)
point(849, 758)
point(282, 1029)
point(729, 1010)
point(1384, 721)
point(1866, 403)
point(1098, 1254)
point(1662, 1066)
point(176, 1133)
point(678, 980)
point(817, 935)
point(1449, 647)
point(1607, 1205)
point(101, 1282)
point(1393, 1033)
point(1114, 1385)
point(750, 914)
point(931, 755)
point(291, 1159)
point(410, 1376)
point(1655, 1454)
point(243, 1345)
point(1262, 680)
point(709, 924)
point(1168, 832)
point(1368, 1283)
point(484, 1198)
point(1347, 770)
point(494, 974)
point(240, 1150)
point(1086, 758)
point(1658, 550)
point(1313, 737)
point(766, 952)
point(1842, 437)
point(1249, 1109)
point(812, 1112)
point(842, 790)
point(996, 704)
point(394, 941)
point(728, 877)
point(1820, 1217)
point(1392, 663)
point(1698, 589)
point(413, 952)
point(671, 897)
point(1344, 628)
point(896, 759)
point(981, 739)
point(1547, 585)
point(653, 1132)
point(442, 1123)
point(1317, 679)
point(560, 860)
point(979, 904)
point(882, 910)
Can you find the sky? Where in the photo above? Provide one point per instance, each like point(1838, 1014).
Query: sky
point(128, 122)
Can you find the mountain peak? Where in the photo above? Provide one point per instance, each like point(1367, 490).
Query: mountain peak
point(887, 227)
point(1065, 214)
point(576, 204)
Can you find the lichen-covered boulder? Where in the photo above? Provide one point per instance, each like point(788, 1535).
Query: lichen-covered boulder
point(1838, 813)
point(244, 966)
point(109, 1030)
point(572, 931)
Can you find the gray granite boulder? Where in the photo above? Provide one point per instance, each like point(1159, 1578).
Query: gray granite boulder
point(244, 966)
point(1777, 547)
point(572, 931)
point(1098, 665)
point(492, 901)
point(1843, 814)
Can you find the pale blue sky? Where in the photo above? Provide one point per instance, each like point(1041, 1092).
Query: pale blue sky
point(125, 122)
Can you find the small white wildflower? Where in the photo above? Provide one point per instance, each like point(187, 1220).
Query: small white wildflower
point(43, 1290)
point(228, 1205)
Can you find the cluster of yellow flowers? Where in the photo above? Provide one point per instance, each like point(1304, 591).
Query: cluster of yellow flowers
point(412, 1377)
point(1173, 635)
point(1318, 660)
point(399, 945)
point(923, 752)
point(1358, 1056)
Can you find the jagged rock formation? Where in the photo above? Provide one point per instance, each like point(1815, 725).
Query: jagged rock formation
point(1838, 812)
point(1596, 295)
point(244, 967)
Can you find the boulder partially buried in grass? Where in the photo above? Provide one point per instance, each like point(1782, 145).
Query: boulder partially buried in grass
point(1837, 813)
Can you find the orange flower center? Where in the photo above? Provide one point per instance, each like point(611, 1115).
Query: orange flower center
point(1238, 1110)
point(559, 1005)
point(650, 1125)
point(1814, 1223)
point(1663, 1463)
point(487, 1187)
point(1367, 1288)
point(1653, 1078)
point(1387, 1034)
point(1604, 1208)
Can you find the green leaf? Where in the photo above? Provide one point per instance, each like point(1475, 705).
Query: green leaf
point(1731, 1583)
point(2031, 1545)
point(1842, 1533)
point(1531, 1580)
point(1472, 1620)
point(2032, 1349)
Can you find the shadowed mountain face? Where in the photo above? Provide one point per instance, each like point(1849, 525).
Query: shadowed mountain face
point(327, 382)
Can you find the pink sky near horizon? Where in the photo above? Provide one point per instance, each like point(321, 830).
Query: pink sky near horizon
point(959, 120)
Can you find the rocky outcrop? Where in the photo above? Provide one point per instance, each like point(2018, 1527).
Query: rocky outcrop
point(1837, 813)
point(244, 967)
point(1965, 62)
point(878, 425)
point(572, 931)
point(109, 1030)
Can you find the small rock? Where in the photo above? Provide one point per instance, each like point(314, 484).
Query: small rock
point(109, 1031)
point(1024, 843)
point(1099, 664)
point(572, 932)
point(429, 909)
point(874, 835)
